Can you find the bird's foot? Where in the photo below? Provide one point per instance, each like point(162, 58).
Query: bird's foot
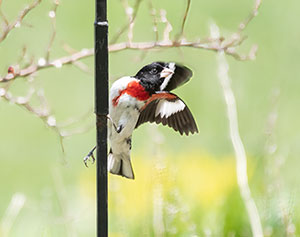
point(89, 157)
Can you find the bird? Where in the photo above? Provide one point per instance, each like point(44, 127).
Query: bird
point(142, 98)
point(145, 97)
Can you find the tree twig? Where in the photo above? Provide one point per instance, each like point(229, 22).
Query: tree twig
point(253, 14)
point(184, 19)
point(152, 11)
point(42, 64)
point(52, 15)
point(10, 26)
point(131, 18)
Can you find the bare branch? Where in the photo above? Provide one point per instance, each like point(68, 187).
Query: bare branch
point(184, 19)
point(42, 64)
point(6, 23)
point(253, 14)
point(228, 47)
point(169, 44)
point(152, 11)
point(129, 12)
point(131, 21)
point(52, 15)
point(168, 28)
point(43, 112)
point(18, 21)
point(80, 65)
point(84, 53)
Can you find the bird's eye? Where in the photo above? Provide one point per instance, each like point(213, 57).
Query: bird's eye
point(153, 71)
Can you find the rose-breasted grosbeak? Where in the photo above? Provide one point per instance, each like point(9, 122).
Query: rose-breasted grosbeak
point(142, 98)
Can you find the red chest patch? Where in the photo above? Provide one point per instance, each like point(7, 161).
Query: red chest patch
point(133, 89)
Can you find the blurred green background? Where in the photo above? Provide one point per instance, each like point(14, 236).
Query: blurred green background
point(185, 186)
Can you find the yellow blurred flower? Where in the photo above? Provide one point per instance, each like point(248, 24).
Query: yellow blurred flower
point(200, 178)
point(205, 179)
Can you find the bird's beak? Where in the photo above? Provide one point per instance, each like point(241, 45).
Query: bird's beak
point(166, 72)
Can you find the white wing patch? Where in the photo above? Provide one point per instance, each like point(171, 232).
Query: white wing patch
point(167, 108)
point(167, 79)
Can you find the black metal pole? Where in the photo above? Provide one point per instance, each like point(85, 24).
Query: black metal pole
point(101, 107)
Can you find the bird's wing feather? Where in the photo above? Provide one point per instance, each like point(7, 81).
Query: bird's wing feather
point(181, 75)
point(168, 109)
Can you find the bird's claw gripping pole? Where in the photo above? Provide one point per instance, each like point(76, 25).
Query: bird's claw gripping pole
point(89, 156)
point(101, 124)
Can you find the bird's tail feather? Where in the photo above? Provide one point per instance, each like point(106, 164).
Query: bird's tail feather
point(120, 164)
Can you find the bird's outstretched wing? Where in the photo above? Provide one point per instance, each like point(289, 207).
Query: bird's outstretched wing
point(181, 75)
point(168, 109)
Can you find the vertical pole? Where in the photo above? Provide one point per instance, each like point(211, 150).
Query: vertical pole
point(101, 109)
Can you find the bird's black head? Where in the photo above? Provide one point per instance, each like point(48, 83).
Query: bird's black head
point(152, 75)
